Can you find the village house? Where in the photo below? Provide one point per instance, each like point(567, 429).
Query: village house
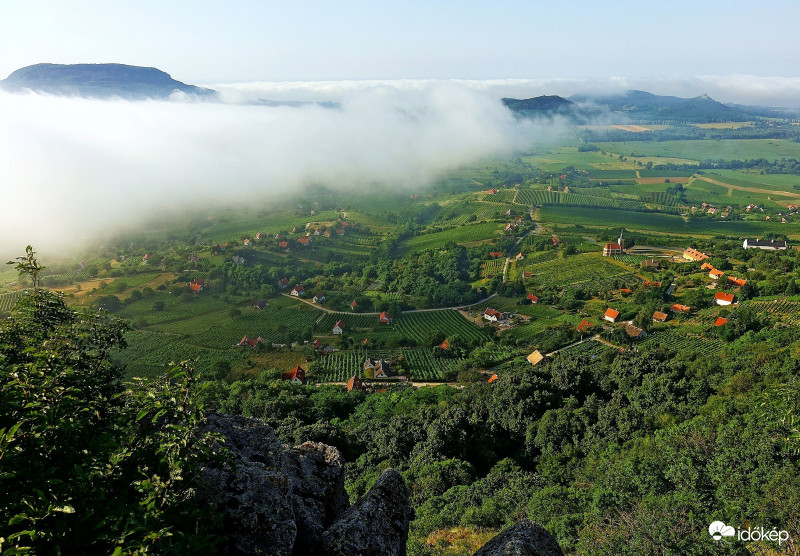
point(246, 241)
point(338, 328)
point(261, 304)
point(659, 316)
point(303, 240)
point(146, 258)
point(445, 345)
point(283, 244)
point(610, 249)
point(678, 308)
point(766, 244)
point(715, 274)
point(721, 321)
point(319, 298)
point(493, 315)
point(584, 325)
point(317, 344)
point(283, 283)
point(527, 274)
point(536, 357)
point(492, 379)
point(378, 368)
point(691, 254)
point(738, 281)
point(296, 375)
point(532, 298)
point(251, 342)
point(650, 263)
point(195, 287)
point(384, 318)
point(611, 315)
point(298, 291)
point(722, 298)
point(519, 257)
point(194, 258)
point(634, 332)
point(237, 259)
point(495, 254)
point(354, 383)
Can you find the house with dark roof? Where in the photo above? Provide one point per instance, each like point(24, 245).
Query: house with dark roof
point(766, 244)
point(635, 332)
point(283, 283)
point(319, 298)
point(261, 304)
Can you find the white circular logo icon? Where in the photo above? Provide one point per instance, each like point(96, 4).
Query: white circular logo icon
point(717, 530)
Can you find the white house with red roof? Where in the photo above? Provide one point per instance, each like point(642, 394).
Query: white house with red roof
point(493, 315)
point(298, 291)
point(722, 298)
point(338, 328)
point(611, 315)
point(296, 375)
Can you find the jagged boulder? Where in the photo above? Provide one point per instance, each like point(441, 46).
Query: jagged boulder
point(276, 500)
point(376, 525)
point(526, 538)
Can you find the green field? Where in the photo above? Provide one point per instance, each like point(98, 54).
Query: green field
point(465, 234)
point(726, 149)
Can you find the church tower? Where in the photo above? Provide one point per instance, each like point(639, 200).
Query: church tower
point(620, 240)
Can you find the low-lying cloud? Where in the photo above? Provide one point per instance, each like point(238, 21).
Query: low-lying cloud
point(71, 168)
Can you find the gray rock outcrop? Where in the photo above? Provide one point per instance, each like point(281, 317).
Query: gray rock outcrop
point(278, 500)
point(376, 525)
point(526, 538)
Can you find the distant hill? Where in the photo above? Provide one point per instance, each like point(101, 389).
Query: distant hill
point(98, 81)
point(549, 106)
point(644, 106)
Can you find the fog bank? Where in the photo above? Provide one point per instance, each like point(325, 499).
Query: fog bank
point(72, 168)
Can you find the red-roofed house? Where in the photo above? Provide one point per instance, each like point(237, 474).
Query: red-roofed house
point(492, 315)
point(338, 327)
point(195, 287)
point(722, 298)
point(496, 254)
point(298, 291)
point(146, 258)
point(385, 318)
point(737, 281)
point(283, 283)
point(532, 298)
point(612, 249)
point(304, 240)
point(353, 305)
point(706, 266)
point(519, 257)
point(252, 342)
point(527, 274)
point(721, 321)
point(492, 379)
point(692, 254)
point(584, 325)
point(445, 345)
point(611, 315)
point(677, 307)
point(283, 244)
point(354, 383)
point(715, 274)
point(296, 375)
point(658, 316)
point(317, 344)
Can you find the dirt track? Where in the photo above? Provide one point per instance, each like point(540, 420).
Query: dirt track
point(775, 192)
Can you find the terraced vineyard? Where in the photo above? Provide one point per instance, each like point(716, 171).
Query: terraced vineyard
point(420, 325)
point(633, 260)
point(543, 197)
point(592, 349)
point(492, 268)
point(684, 343)
point(9, 300)
point(352, 322)
point(419, 363)
point(787, 311)
point(589, 269)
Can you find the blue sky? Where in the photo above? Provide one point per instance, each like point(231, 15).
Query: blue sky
point(211, 41)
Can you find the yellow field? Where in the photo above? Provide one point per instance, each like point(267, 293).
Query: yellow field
point(724, 125)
